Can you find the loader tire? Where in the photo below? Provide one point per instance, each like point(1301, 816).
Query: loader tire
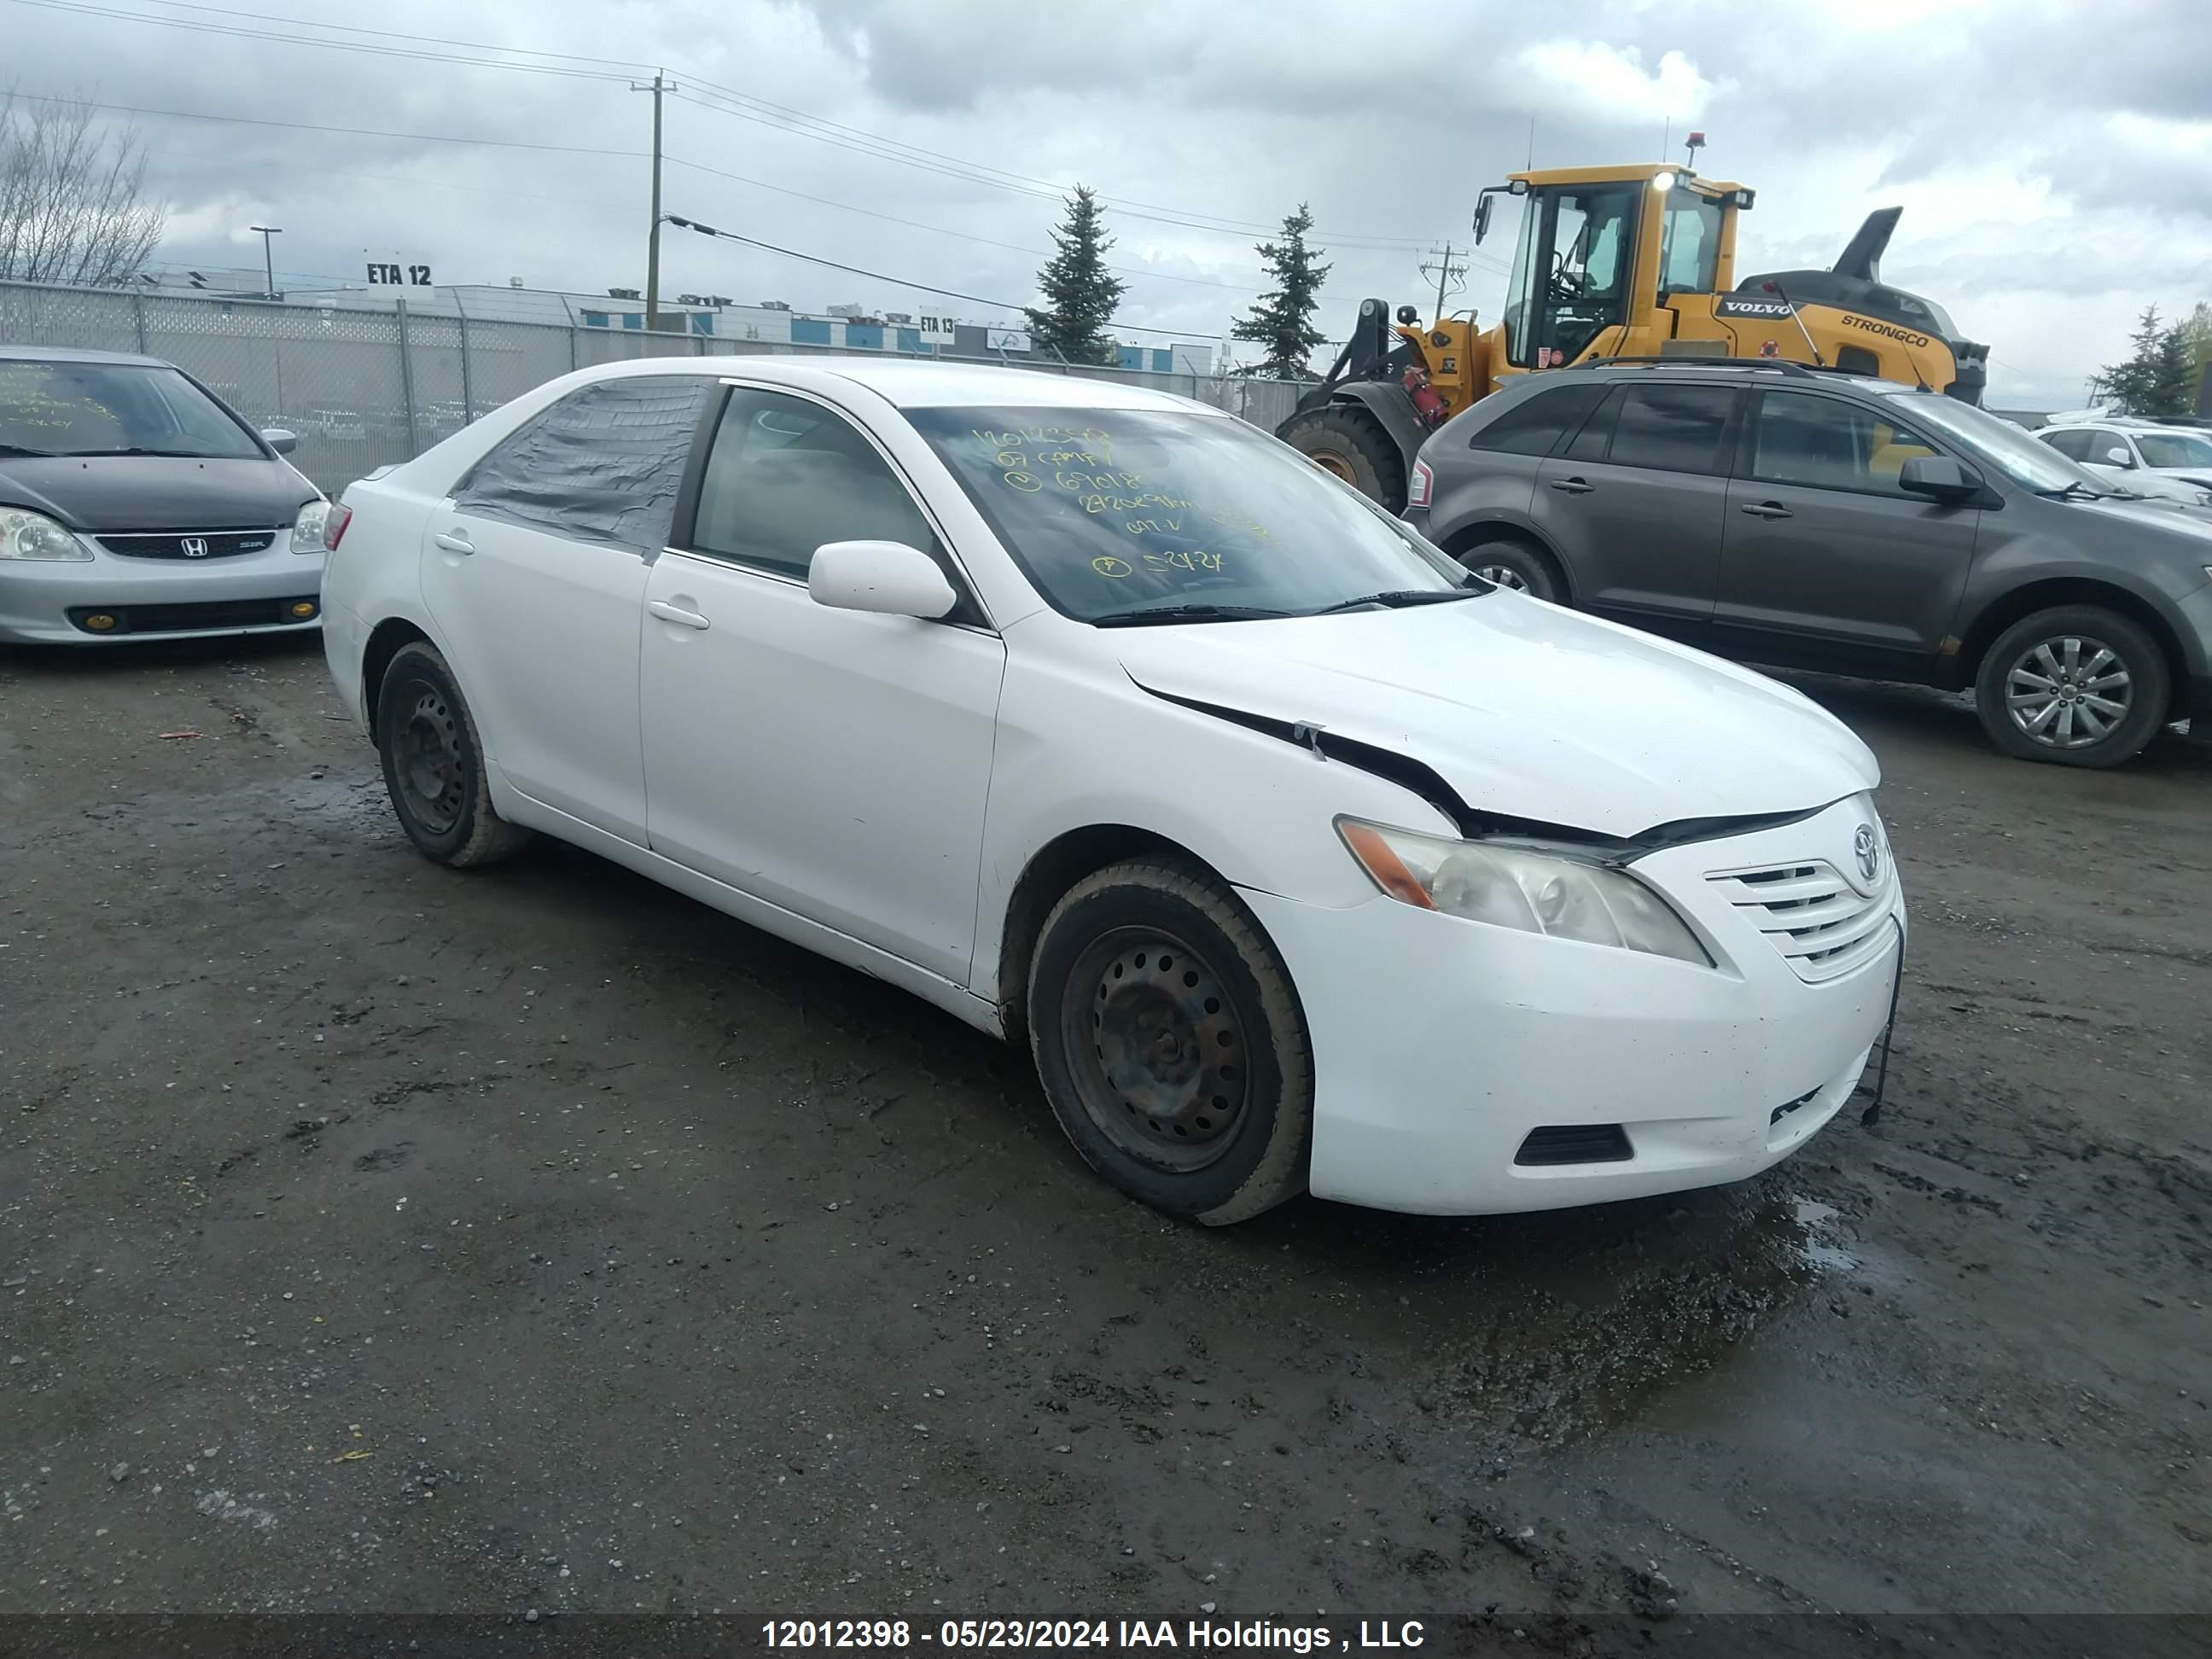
point(1347, 442)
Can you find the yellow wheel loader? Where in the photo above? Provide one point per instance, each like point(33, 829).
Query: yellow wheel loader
point(1618, 263)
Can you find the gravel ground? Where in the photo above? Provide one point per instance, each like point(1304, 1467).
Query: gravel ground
point(375, 1237)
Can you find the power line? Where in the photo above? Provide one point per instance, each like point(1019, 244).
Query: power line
point(313, 126)
point(744, 105)
point(941, 230)
point(906, 282)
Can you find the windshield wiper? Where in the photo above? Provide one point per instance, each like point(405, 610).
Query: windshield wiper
point(1183, 613)
point(18, 449)
point(2081, 492)
point(173, 454)
point(1399, 599)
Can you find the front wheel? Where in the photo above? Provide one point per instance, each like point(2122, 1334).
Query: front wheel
point(1347, 442)
point(1170, 1043)
point(2077, 684)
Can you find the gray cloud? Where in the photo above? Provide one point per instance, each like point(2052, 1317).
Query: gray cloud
point(2053, 182)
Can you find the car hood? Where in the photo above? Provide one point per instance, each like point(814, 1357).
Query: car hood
point(1526, 710)
point(156, 492)
point(2155, 513)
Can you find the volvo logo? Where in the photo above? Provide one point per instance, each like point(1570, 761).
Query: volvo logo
point(1867, 846)
point(194, 547)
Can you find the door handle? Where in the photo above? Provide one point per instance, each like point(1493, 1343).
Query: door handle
point(1573, 486)
point(1767, 510)
point(454, 542)
point(679, 615)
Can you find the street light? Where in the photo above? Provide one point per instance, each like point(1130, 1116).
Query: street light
point(267, 260)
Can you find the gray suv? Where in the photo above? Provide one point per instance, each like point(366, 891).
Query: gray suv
point(1773, 513)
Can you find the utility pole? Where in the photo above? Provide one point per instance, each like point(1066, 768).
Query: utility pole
point(1447, 272)
point(268, 259)
point(652, 239)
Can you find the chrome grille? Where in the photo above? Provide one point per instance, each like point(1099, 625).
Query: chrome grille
point(1823, 926)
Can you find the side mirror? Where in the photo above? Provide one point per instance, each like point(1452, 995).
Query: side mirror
point(278, 439)
point(2118, 456)
point(1939, 478)
point(889, 577)
point(1483, 203)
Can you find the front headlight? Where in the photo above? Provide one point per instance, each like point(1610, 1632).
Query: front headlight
point(27, 535)
point(1558, 895)
point(307, 528)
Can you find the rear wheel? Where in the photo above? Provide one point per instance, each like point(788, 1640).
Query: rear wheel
point(1170, 1043)
point(1347, 442)
point(433, 765)
point(1513, 564)
point(2077, 684)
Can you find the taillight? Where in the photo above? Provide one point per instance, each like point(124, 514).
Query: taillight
point(334, 527)
point(1417, 494)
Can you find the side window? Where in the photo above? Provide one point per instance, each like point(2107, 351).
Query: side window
point(2074, 444)
point(1536, 425)
point(1827, 444)
point(2101, 445)
point(1591, 442)
point(1675, 428)
point(785, 476)
point(604, 464)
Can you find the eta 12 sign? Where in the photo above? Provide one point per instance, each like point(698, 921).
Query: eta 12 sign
point(381, 275)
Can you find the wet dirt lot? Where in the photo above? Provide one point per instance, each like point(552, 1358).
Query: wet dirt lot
point(377, 1237)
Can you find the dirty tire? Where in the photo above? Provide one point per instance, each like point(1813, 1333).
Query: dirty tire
point(433, 765)
point(1516, 565)
point(1346, 441)
point(1086, 983)
point(2079, 649)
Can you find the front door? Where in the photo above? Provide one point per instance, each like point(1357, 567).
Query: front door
point(1828, 562)
point(833, 762)
point(1635, 503)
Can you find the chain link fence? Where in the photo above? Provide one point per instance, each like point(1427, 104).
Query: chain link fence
point(364, 388)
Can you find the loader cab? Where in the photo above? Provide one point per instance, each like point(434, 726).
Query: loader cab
point(1600, 251)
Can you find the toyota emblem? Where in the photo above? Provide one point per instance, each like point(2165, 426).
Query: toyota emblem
point(195, 547)
point(1868, 846)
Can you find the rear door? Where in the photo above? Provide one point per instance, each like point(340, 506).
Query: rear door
point(534, 571)
point(1829, 562)
point(1634, 505)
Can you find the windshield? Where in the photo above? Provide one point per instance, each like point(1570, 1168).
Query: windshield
point(107, 408)
point(2175, 449)
point(2027, 461)
point(1113, 510)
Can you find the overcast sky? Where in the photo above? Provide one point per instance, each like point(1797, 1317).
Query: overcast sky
point(2054, 159)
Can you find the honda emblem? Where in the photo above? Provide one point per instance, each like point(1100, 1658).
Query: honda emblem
point(195, 547)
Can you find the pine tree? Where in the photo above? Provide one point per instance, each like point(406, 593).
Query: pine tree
point(2132, 385)
point(1082, 292)
point(2170, 382)
point(1282, 322)
point(2196, 333)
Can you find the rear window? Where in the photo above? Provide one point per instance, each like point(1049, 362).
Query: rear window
point(1537, 425)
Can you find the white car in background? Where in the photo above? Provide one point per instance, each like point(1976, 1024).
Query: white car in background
point(2149, 457)
point(1299, 857)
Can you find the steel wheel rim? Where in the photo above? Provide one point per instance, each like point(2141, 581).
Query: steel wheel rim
point(1336, 465)
point(1157, 1048)
point(1503, 575)
point(2069, 691)
point(427, 759)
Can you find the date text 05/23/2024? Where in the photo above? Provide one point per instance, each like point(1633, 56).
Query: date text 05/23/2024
point(1097, 1634)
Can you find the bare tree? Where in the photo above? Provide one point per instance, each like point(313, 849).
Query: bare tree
point(72, 203)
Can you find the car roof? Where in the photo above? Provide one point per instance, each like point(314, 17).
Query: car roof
point(35, 353)
point(1733, 371)
point(918, 383)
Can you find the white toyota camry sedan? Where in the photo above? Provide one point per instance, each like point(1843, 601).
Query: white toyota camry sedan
point(1301, 858)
